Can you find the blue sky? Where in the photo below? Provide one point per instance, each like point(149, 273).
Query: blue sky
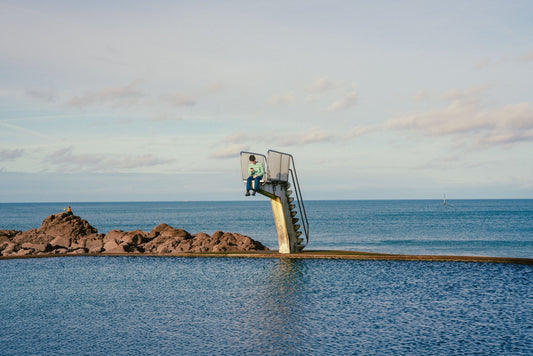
point(110, 100)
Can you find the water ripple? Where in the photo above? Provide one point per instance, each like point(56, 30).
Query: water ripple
point(186, 306)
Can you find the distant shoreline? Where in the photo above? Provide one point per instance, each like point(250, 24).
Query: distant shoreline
point(319, 254)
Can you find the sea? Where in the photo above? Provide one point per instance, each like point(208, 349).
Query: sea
point(279, 306)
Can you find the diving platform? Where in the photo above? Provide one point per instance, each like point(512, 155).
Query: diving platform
point(280, 184)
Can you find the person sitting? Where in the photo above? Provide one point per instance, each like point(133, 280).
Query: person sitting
point(256, 174)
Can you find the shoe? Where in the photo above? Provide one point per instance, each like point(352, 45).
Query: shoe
point(247, 194)
point(253, 193)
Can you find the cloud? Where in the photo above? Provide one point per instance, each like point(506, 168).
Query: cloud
point(24, 130)
point(310, 136)
point(471, 94)
point(466, 116)
point(283, 99)
point(114, 96)
point(322, 85)
point(9, 155)
point(344, 103)
point(528, 57)
point(362, 130)
point(66, 160)
point(230, 151)
point(318, 92)
point(41, 94)
point(482, 64)
point(237, 137)
point(239, 141)
point(165, 117)
point(179, 100)
point(214, 88)
point(137, 162)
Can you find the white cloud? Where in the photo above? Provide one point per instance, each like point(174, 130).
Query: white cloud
point(230, 151)
point(482, 64)
point(344, 103)
point(322, 88)
point(362, 130)
point(237, 137)
point(528, 57)
point(114, 96)
point(322, 85)
point(65, 160)
point(470, 120)
point(41, 94)
point(467, 117)
point(214, 88)
point(9, 155)
point(165, 117)
point(310, 136)
point(180, 100)
point(233, 144)
point(283, 99)
point(24, 130)
point(471, 94)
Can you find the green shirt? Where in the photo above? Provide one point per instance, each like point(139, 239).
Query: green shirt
point(256, 169)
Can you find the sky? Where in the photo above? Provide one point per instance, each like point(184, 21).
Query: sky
point(154, 100)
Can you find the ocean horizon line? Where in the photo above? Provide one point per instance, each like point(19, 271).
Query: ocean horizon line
point(252, 200)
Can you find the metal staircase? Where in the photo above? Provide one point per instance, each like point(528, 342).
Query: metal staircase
point(280, 177)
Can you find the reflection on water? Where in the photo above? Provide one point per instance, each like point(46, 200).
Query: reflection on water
point(191, 306)
point(281, 306)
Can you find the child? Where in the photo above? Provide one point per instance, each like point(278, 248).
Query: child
point(256, 174)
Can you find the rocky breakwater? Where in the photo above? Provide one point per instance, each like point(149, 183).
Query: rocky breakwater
point(65, 233)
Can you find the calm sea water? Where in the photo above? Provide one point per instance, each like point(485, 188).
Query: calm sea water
point(501, 228)
point(234, 306)
point(221, 306)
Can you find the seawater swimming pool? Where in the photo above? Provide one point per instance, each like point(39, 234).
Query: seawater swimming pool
point(233, 306)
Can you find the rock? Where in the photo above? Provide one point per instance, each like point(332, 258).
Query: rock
point(117, 249)
point(60, 241)
point(166, 239)
point(66, 224)
point(22, 252)
point(77, 244)
point(78, 251)
point(225, 242)
point(36, 247)
point(32, 235)
point(134, 238)
point(9, 249)
point(163, 244)
point(132, 241)
point(118, 241)
point(165, 230)
point(112, 239)
point(156, 231)
point(65, 233)
point(8, 235)
point(94, 243)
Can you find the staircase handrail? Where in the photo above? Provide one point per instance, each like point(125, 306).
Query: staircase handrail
point(298, 192)
point(300, 201)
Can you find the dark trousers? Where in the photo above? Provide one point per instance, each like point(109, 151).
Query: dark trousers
point(256, 182)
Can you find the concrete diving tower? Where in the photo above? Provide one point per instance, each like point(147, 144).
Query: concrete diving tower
point(280, 172)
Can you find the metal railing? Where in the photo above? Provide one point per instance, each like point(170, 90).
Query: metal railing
point(298, 194)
